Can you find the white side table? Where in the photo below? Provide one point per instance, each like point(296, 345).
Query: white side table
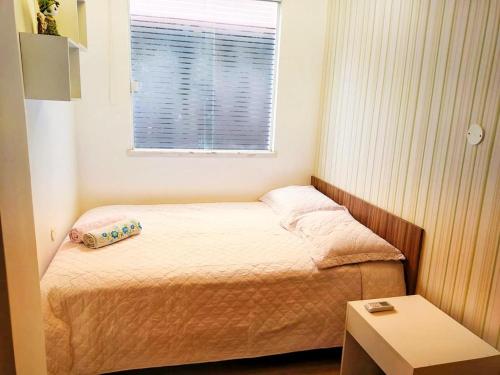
point(415, 338)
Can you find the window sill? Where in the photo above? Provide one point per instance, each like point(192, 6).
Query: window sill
point(194, 153)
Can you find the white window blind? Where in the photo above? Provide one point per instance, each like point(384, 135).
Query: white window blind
point(204, 73)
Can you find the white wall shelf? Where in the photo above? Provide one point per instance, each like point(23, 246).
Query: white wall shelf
point(51, 67)
point(72, 21)
point(51, 64)
point(82, 21)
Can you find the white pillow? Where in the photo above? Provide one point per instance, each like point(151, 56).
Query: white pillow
point(290, 201)
point(338, 239)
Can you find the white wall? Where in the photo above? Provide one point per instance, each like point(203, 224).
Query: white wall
point(108, 175)
point(52, 155)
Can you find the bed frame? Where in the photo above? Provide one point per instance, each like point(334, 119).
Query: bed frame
point(402, 234)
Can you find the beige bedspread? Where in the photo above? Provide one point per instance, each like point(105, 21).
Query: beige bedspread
point(203, 282)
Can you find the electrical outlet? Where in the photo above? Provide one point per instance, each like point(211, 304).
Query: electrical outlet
point(53, 235)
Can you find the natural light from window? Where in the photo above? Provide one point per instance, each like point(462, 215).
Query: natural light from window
point(203, 74)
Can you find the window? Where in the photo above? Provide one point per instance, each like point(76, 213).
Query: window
point(203, 73)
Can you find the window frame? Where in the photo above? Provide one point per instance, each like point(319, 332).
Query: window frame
point(176, 152)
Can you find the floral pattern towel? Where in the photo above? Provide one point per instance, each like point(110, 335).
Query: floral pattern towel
point(112, 233)
point(76, 233)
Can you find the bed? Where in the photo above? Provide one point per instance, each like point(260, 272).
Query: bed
point(203, 282)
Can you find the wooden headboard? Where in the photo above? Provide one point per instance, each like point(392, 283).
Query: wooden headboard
point(407, 237)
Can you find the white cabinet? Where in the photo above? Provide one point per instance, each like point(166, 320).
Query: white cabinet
point(51, 67)
point(51, 64)
point(72, 21)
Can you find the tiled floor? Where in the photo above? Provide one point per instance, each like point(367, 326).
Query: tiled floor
point(317, 362)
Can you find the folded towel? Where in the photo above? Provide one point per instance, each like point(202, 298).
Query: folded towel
point(76, 233)
point(112, 233)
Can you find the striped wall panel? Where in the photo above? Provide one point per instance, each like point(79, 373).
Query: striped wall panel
point(403, 82)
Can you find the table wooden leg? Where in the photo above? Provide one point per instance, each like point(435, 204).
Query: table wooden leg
point(355, 361)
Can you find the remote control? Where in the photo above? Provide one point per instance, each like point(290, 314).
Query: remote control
point(378, 306)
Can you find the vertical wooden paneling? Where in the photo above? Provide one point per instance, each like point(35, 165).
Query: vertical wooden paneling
point(404, 81)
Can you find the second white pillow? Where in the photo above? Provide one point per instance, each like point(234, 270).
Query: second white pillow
point(339, 239)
